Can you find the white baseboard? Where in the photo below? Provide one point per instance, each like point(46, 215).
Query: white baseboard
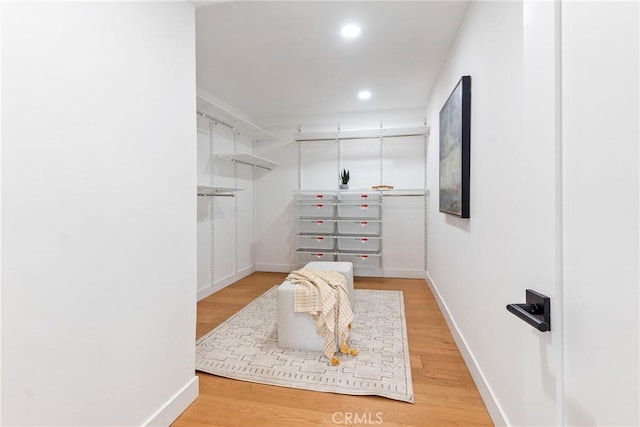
point(224, 282)
point(403, 273)
point(277, 268)
point(496, 412)
point(244, 272)
point(176, 405)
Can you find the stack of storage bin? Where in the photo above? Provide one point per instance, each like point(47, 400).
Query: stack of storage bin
point(344, 226)
point(315, 226)
point(359, 228)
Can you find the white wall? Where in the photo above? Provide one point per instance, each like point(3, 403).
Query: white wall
point(225, 224)
point(479, 265)
point(275, 231)
point(98, 207)
point(1, 138)
point(554, 207)
point(600, 42)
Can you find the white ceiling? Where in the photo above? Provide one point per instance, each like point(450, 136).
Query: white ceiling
point(271, 60)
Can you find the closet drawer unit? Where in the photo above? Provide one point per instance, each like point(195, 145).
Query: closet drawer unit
point(365, 227)
point(316, 210)
point(320, 196)
point(364, 196)
point(309, 256)
point(359, 210)
point(361, 260)
point(315, 242)
point(359, 243)
point(316, 226)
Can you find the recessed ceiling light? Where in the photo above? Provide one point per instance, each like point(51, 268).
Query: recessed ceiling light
point(350, 31)
point(364, 94)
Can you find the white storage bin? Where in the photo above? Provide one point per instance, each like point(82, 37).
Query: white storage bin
point(365, 227)
point(315, 242)
point(361, 260)
point(309, 256)
point(316, 196)
point(359, 210)
point(364, 196)
point(316, 226)
point(359, 243)
point(316, 210)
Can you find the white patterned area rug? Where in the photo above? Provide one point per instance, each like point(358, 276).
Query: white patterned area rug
point(245, 347)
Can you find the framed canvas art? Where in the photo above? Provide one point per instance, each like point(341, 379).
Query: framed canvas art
point(455, 129)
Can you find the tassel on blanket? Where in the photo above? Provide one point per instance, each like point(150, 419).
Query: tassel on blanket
point(350, 351)
point(344, 348)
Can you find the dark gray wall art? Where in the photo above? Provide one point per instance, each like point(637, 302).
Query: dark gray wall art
point(455, 129)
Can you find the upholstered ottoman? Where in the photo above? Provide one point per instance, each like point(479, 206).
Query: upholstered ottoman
point(346, 268)
point(298, 330)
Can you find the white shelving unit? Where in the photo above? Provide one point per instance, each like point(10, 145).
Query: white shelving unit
point(214, 111)
point(226, 228)
point(248, 159)
point(375, 155)
point(339, 225)
point(211, 191)
point(361, 134)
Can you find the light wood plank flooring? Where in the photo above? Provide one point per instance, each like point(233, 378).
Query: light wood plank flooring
point(444, 392)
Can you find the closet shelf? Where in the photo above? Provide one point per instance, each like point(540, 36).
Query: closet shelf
point(333, 196)
point(339, 252)
point(208, 190)
point(248, 159)
point(211, 110)
point(361, 134)
point(404, 192)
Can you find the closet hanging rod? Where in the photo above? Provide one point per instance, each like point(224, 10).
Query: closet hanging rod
point(215, 195)
point(251, 164)
point(213, 119)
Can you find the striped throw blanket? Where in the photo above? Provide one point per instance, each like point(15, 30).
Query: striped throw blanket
point(324, 295)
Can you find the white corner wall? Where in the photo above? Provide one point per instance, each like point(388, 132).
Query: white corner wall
point(98, 205)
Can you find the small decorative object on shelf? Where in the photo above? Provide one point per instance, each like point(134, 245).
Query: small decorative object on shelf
point(344, 179)
point(382, 187)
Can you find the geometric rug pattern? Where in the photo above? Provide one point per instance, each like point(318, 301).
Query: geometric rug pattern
point(245, 348)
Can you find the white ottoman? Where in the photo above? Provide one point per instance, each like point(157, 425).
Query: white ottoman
point(298, 330)
point(346, 268)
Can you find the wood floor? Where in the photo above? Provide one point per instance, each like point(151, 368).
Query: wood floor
point(444, 392)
